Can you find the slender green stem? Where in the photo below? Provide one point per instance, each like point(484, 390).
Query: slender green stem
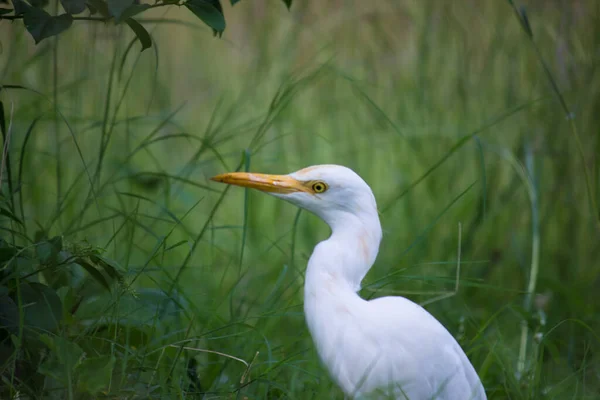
point(56, 119)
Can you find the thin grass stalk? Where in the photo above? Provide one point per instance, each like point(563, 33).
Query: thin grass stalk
point(57, 154)
point(524, 22)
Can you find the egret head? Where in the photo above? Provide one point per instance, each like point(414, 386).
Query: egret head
point(332, 192)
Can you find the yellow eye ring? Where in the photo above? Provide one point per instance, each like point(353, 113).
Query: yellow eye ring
point(319, 187)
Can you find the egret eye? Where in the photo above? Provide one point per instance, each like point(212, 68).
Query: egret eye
point(319, 187)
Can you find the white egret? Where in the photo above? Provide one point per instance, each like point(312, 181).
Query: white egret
point(388, 345)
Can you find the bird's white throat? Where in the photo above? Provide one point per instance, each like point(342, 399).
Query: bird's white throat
point(348, 254)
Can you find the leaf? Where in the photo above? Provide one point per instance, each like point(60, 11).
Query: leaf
point(56, 277)
point(73, 6)
point(93, 272)
point(4, 11)
point(20, 6)
point(98, 6)
point(111, 267)
point(210, 12)
point(65, 357)
point(39, 3)
point(95, 374)
point(234, 2)
point(288, 3)
point(41, 305)
point(9, 312)
point(141, 33)
point(116, 7)
point(47, 251)
point(42, 25)
point(7, 253)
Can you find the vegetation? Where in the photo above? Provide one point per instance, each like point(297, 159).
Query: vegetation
point(125, 273)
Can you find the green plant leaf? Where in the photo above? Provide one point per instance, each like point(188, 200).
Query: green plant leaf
point(73, 6)
point(4, 11)
point(41, 305)
point(98, 6)
point(97, 275)
point(47, 250)
point(42, 25)
point(234, 2)
point(117, 7)
point(288, 3)
point(65, 357)
point(20, 7)
point(141, 33)
point(7, 251)
point(112, 268)
point(210, 12)
point(94, 374)
point(9, 312)
point(39, 3)
point(57, 277)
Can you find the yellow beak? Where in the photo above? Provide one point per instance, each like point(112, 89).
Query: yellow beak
point(282, 184)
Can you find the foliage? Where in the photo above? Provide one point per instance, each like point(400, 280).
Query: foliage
point(42, 25)
point(61, 313)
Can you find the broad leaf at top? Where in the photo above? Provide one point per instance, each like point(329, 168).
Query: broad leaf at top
point(42, 25)
point(210, 12)
point(73, 6)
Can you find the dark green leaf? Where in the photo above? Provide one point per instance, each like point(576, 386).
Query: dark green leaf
point(64, 358)
point(216, 4)
point(210, 12)
point(73, 6)
point(4, 11)
point(99, 6)
point(39, 3)
point(288, 3)
point(42, 25)
point(141, 33)
point(47, 251)
point(56, 277)
point(20, 6)
point(233, 2)
point(7, 254)
point(41, 306)
point(116, 7)
point(93, 272)
point(111, 267)
point(9, 312)
point(95, 374)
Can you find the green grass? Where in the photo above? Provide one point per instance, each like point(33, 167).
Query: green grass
point(452, 113)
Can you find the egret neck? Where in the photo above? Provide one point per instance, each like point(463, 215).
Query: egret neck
point(346, 256)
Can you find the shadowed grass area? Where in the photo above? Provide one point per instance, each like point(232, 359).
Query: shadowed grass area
point(453, 112)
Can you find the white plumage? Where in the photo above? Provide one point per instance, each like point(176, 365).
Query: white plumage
point(388, 345)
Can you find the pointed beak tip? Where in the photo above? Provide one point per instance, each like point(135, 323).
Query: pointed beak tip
point(217, 178)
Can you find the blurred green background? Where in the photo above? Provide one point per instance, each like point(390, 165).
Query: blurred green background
point(447, 109)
